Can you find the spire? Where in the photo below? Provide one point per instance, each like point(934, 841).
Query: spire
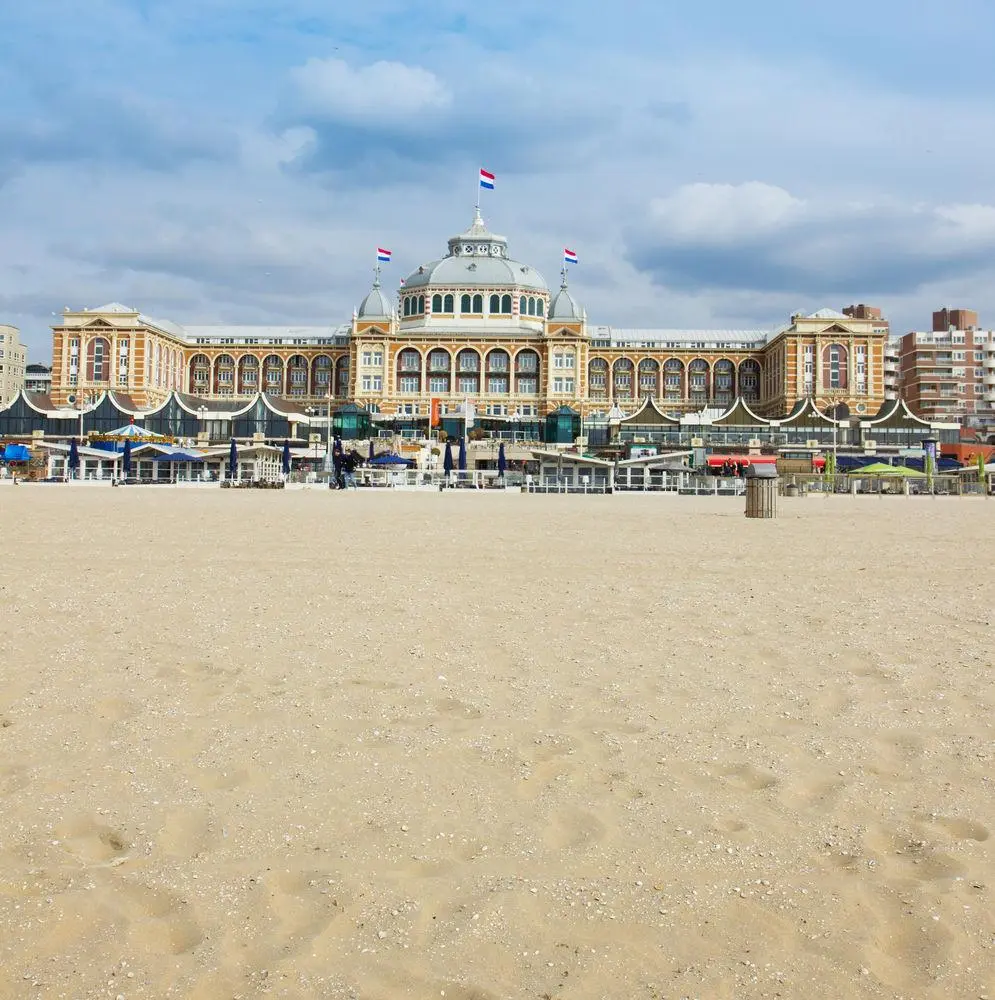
point(563, 276)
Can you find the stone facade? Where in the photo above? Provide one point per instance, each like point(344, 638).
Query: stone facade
point(476, 326)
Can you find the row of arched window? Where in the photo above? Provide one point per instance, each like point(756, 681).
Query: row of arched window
point(472, 305)
point(697, 381)
point(439, 372)
point(250, 374)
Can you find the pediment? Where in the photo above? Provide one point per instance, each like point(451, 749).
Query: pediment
point(100, 324)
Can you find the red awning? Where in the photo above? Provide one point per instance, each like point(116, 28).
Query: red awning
point(716, 461)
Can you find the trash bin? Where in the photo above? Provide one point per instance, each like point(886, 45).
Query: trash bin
point(761, 491)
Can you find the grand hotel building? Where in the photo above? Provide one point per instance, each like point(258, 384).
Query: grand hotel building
point(476, 325)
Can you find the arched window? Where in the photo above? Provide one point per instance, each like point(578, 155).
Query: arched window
point(506, 304)
point(622, 378)
point(649, 376)
point(498, 371)
point(834, 373)
point(749, 380)
point(495, 305)
point(248, 374)
point(342, 376)
point(97, 360)
point(447, 304)
point(523, 306)
point(540, 307)
point(224, 375)
point(407, 306)
point(200, 373)
point(527, 372)
point(297, 369)
point(421, 305)
point(464, 304)
point(478, 304)
point(437, 303)
point(597, 376)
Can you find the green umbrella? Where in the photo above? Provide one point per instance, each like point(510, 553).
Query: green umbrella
point(883, 469)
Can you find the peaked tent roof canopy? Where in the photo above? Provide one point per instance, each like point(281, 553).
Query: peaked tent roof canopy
point(649, 414)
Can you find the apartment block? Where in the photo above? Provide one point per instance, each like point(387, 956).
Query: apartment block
point(13, 356)
point(948, 372)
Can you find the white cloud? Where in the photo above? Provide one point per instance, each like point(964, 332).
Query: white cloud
point(725, 212)
point(382, 91)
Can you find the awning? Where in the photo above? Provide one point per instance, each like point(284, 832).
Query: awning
point(717, 461)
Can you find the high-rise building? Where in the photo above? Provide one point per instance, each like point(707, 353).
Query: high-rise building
point(12, 358)
point(948, 372)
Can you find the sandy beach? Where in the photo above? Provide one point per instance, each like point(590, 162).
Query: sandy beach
point(481, 747)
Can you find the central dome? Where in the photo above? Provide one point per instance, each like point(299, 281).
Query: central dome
point(477, 258)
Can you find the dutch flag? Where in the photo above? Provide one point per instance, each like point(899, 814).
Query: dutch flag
point(384, 255)
point(569, 256)
point(486, 179)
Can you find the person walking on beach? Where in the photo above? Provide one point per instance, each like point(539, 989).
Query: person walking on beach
point(337, 465)
point(349, 463)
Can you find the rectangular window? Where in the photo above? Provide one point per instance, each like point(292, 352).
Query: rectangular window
point(527, 363)
point(298, 376)
point(498, 362)
point(497, 383)
point(528, 385)
point(563, 359)
point(273, 378)
point(623, 381)
point(467, 384)
point(672, 381)
point(438, 383)
point(598, 381)
point(958, 355)
point(697, 383)
point(372, 383)
point(321, 377)
point(248, 375)
point(408, 383)
point(373, 359)
point(469, 363)
point(563, 385)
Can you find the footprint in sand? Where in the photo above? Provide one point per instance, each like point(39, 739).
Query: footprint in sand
point(963, 829)
point(572, 829)
point(160, 919)
point(91, 842)
point(748, 778)
point(186, 833)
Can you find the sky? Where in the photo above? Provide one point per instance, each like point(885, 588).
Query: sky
point(715, 164)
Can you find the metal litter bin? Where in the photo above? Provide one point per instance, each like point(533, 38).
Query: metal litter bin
point(761, 491)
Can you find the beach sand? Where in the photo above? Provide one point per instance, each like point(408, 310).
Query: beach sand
point(478, 747)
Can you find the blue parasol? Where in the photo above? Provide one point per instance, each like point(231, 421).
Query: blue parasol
point(286, 458)
point(447, 460)
point(388, 459)
point(73, 456)
point(502, 461)
point(462, 455)
point(233, 461)
point(126, 457)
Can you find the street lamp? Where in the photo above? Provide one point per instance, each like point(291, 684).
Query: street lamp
point(202, 416)
point(328, 430)
point(311, 411)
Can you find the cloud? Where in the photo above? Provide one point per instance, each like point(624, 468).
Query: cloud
point(79, 127)
point(757, 236)
point(331, 90)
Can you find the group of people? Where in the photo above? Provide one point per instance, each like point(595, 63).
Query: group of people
point(729, 468)
point(344, 465)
